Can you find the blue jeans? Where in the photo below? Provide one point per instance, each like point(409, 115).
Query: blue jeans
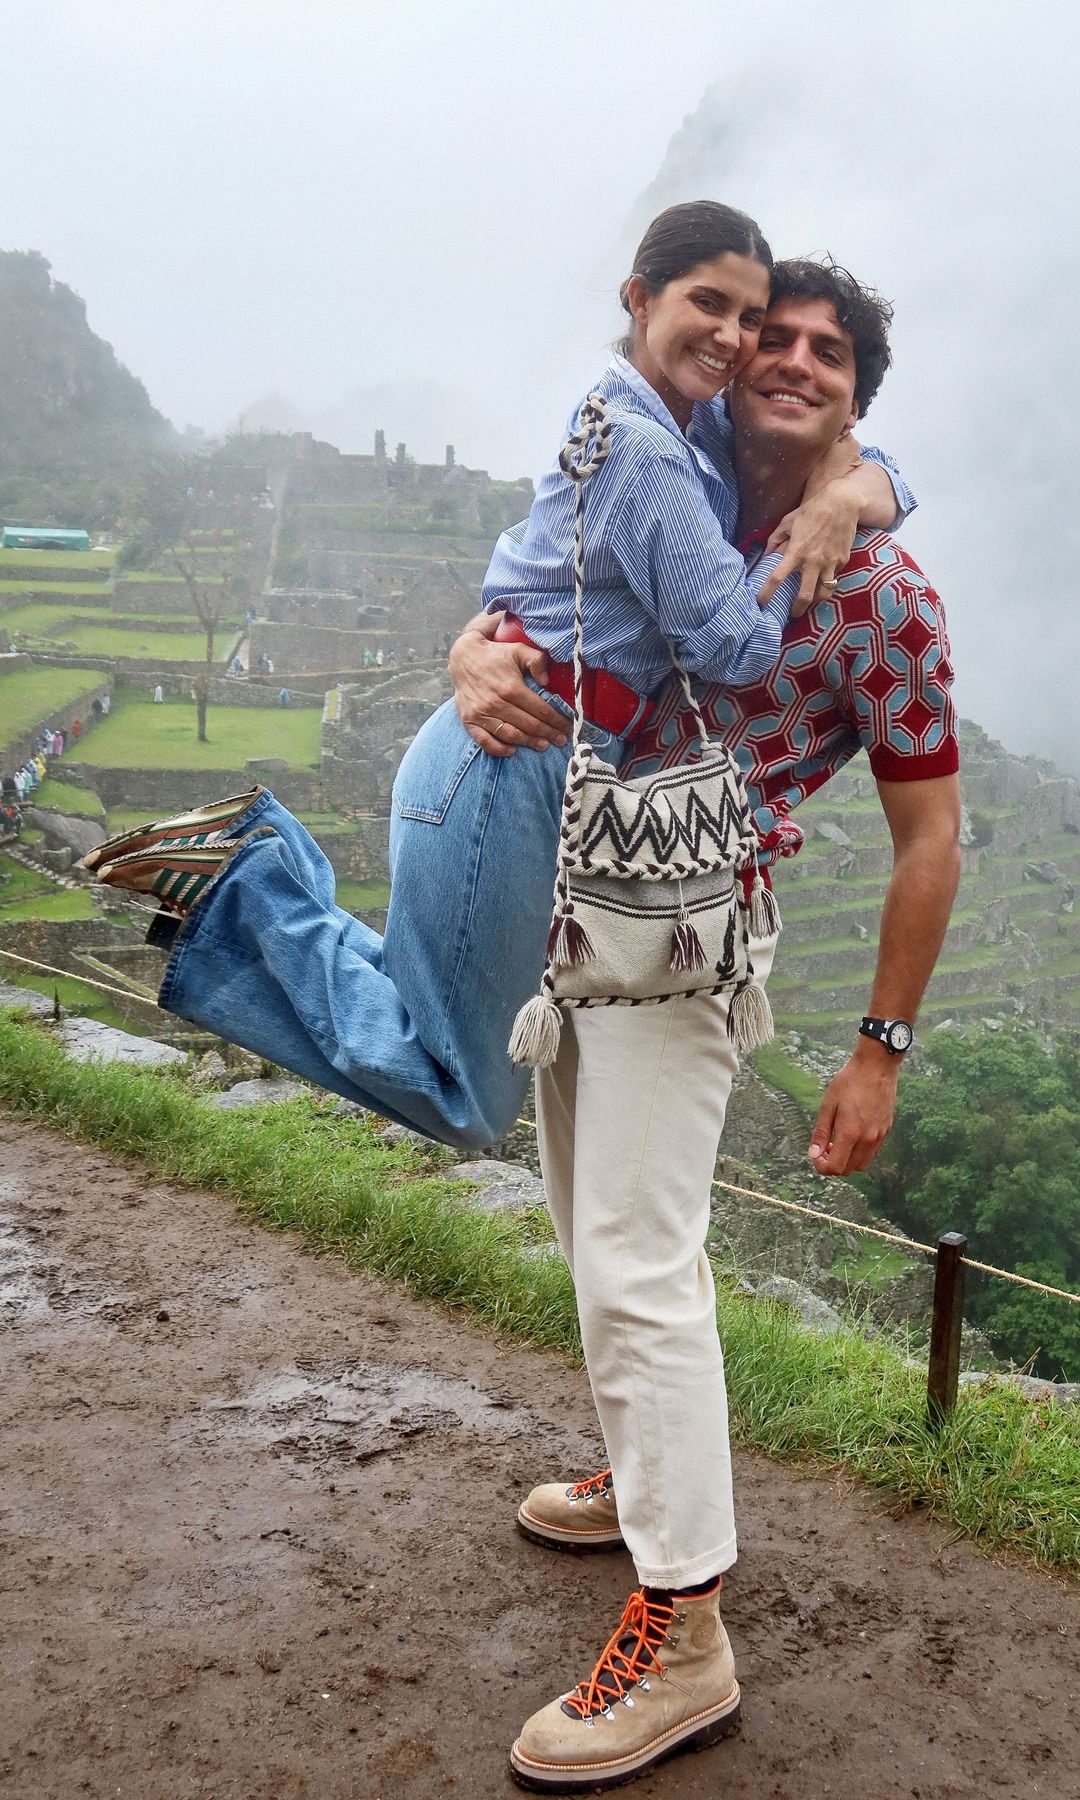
point(414, 1024)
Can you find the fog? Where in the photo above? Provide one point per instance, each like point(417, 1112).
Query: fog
point(349, 215)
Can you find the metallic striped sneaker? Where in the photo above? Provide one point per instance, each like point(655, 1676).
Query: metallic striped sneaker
point(177, 874)
point(202, 826)
point(581, 1517)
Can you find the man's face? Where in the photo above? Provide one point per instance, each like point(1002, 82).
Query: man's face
point(798, 389)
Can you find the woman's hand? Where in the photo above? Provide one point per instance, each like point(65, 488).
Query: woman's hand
point(494, 702)
point(816, 540)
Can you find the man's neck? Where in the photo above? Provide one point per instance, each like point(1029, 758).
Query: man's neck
point(771, 482)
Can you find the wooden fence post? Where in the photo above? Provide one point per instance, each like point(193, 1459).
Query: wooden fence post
point(945, 1330)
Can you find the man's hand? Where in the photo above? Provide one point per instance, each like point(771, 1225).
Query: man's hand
point(816, 540)
point(842, 493)
point(856, 1112)
point(494, 702)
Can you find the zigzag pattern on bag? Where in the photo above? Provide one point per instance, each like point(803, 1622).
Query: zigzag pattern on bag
point(714, 814)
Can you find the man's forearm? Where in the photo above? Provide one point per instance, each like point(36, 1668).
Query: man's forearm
point(857, 1108)
point(914, 920)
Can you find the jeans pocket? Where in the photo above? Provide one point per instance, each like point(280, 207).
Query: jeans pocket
point(433, 768)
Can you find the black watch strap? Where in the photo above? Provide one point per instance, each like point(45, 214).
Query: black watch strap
point(896, 1035)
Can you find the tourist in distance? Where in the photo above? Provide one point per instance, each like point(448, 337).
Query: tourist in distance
point(867, 668)
point(415, 1024)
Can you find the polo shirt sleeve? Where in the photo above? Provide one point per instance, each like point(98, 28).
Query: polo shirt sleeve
point(673, 554)
point(899, 682)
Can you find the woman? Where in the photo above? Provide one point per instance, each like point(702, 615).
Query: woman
point(415, 1024)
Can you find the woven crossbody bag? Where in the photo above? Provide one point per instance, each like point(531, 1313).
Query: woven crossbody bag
point(649, 891)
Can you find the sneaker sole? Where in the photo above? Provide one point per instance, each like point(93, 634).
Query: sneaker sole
point(550, 1537)
point(585, 1778)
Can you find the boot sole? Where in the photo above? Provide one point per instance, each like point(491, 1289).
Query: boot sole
point(549, 1537)
point(578, 1778)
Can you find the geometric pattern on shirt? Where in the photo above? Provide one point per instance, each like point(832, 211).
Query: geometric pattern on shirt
point(868, 668)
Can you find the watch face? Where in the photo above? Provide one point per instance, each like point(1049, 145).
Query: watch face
point(899, 1036)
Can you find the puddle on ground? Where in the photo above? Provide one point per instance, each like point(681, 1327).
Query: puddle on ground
point(31, 1285)
point(363, 1410)
point(23, 1281)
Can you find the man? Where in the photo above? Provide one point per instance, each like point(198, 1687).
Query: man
point(866, 667)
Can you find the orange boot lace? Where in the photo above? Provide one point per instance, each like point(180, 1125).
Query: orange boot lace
point(592, 1487)
point(627, 1659)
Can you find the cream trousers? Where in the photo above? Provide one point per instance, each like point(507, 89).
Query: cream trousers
point(629, 1120)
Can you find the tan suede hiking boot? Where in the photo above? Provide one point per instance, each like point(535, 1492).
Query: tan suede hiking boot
point(665, 1682)
point(581, 1517)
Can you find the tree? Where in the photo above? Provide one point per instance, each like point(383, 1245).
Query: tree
point(987, 1141)
point(172, 501)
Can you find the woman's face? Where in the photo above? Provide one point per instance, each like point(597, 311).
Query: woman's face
point(693, 335)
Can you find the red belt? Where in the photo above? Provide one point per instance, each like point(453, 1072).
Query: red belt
point(605, 700)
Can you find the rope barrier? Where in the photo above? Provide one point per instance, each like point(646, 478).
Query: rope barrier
point(891, 1237)
point(47, 969)
point(810, 1212)
point(887, 1237)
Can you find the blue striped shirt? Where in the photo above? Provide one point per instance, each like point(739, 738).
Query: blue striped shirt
point(660, 513)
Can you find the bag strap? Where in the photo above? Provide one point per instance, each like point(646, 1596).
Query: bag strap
point(580, 457)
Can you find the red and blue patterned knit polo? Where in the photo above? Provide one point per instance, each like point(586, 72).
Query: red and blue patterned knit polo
point(867, 669)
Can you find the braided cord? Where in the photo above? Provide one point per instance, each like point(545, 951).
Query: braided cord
point(579, 458)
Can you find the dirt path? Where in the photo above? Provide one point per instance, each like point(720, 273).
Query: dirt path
point(256, 1542)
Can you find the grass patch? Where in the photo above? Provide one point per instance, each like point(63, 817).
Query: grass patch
point(362, 896)
point(1004, 1470)
point(74, 996)
point(777, 1068)
point(91, 639)
point(30, 696)
point(43, 618)
point(57, 903)
point(874, 1265)
point(25, 584)
point(169, 580)
point(139, 735)
point(68, 798)
point(55, 559)
point(20, 881)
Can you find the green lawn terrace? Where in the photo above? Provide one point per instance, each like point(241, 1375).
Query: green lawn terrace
point(86, 574)
point(141, 735)
point(79, 622)
point(29, 696)
point(1012, 942)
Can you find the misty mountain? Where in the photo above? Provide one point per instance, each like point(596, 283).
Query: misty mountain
point(74, 422)
point(921, 193)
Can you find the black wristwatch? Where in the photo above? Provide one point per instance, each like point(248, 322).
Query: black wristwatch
point(897, 1035)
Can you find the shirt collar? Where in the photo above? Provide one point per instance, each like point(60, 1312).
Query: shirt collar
point(644, 398)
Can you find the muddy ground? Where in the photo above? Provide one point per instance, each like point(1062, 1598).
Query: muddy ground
point(256, 1542)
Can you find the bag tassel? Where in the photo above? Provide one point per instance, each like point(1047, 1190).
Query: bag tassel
point(686, 951)
point(534, 1041)
point(750, 1021)
point(569, 944)
point(764, 912)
